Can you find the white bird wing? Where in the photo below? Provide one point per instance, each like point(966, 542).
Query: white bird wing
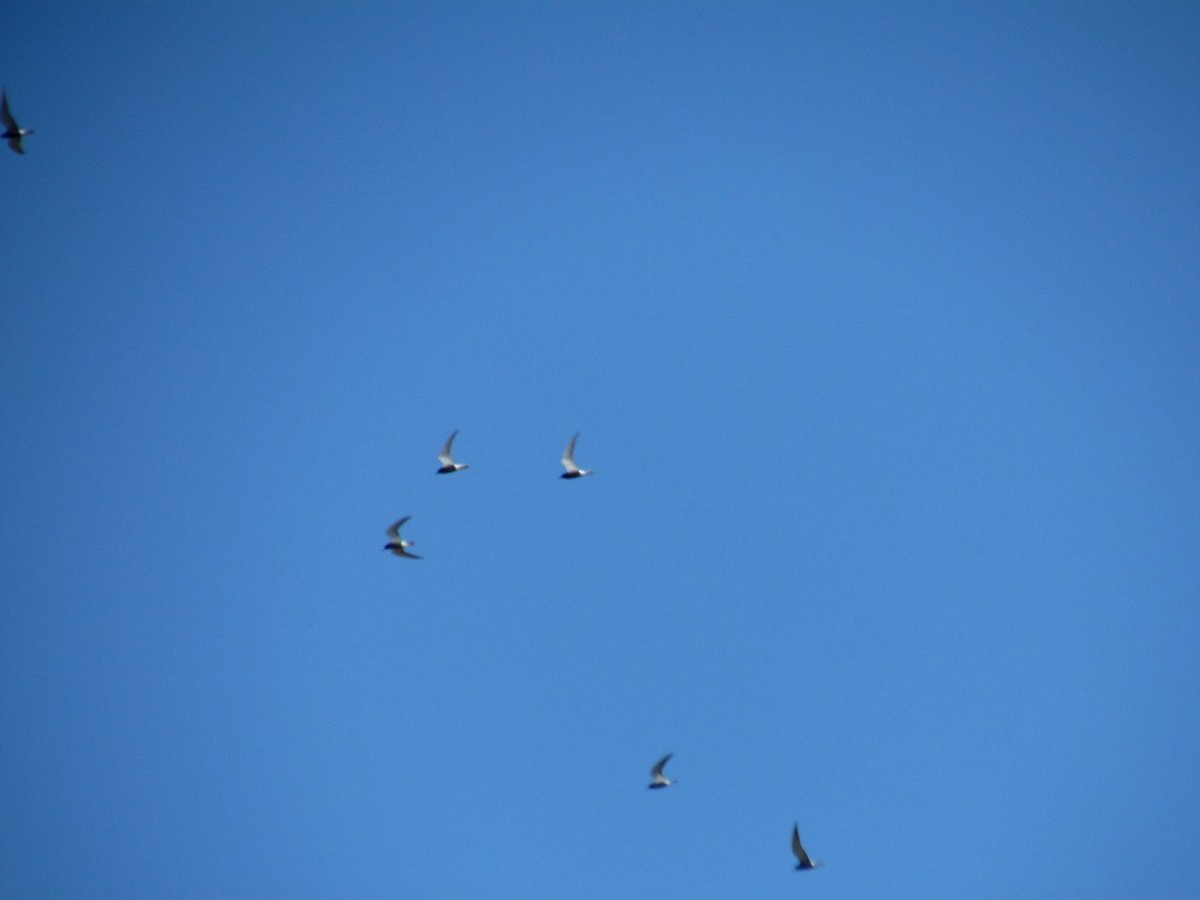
point(444, 457)
point(568, 457)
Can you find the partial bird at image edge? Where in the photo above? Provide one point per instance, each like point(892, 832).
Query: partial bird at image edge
point(13, 133)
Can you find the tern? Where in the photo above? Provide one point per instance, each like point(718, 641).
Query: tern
point(447, 461)
point(13, 133)
point(659, 780)
point(802, 858)
point(397, 544)
point(568, 461)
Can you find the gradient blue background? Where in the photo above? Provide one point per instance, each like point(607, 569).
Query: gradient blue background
point(880, 323)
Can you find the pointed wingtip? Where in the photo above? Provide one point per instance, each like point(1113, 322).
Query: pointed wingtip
point(657, 769)
point(568, 457)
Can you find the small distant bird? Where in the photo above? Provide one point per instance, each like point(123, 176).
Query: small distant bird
point(802, 859)
point(568, 461)
point(13, 133)
point(658, 779)
point(397, 544)
point(447, 461)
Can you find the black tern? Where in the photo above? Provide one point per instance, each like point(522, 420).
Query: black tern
point(447, 461)
point(13, 133)
point(802, 858)
point(568, 461)
point(397, 544)
point(658, 779)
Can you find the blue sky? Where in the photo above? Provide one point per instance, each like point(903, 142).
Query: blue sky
point(879, 322)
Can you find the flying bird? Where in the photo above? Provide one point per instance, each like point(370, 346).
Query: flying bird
point(658, 779)
point(397, 544)
point(13, 133)
point(568, 461)
point(802, 858)
point(447, 461)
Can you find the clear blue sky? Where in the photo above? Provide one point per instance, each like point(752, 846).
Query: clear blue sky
point(881, 325)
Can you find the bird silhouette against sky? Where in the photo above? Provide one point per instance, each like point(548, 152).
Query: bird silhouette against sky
point(568, 461)
point(658, 779)
point(803, 861)
point(447, 461)
point(397, 544)
point(13, 133)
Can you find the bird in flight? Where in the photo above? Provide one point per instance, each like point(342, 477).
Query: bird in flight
point(658, 779)
point(447, 461)
point(397, 544)
point(802, 858)
point(568, 461)
point(13, 133)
